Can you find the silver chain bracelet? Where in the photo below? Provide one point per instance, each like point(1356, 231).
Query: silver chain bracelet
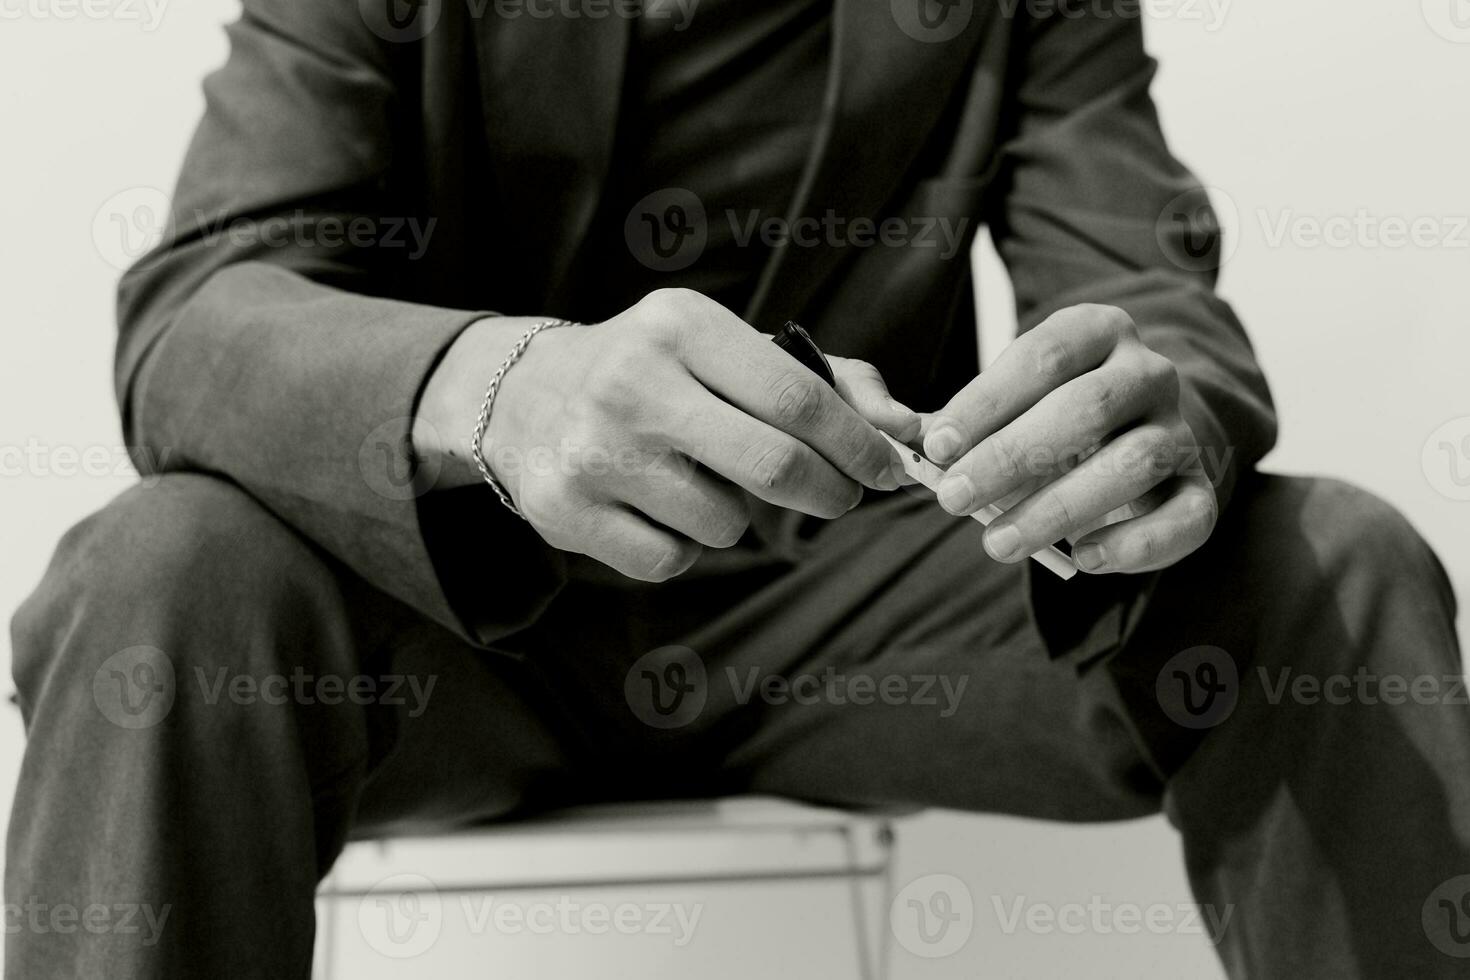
point(490, 392)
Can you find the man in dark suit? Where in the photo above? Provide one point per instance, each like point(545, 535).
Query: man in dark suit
point(208, 669)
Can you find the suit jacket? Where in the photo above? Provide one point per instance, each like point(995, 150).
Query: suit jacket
point(292, 367)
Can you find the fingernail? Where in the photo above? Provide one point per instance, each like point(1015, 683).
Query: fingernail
point(1089, 557)
point(1002, 542)
point(942, 444)
point(887, 478)
point(956, 494)
point(899, 406)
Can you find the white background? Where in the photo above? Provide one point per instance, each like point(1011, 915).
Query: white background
point(1296, 113)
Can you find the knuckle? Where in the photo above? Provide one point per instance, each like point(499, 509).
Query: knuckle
point(1058, 515)
point(875, 458)
point(1051, 359)
point(1146, 547)
point(730, 527)
point(774, 466)
point(1161, 373)
point(615, 379)
point(1112, 318)
point(983, 408)
point(1136, 453)
point(1101, 408)
point(797, 400)
point(830, 504)
point(666, 313)
point(675, 560)
point(1201, 510)
point(673, 302)
point(581, 434)
point(1006, 457)
point(548, 506)
point(1158, 451)
point(860, 370)
point(1155, 375)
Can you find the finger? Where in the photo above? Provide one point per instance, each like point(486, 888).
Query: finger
point(1032, 484)
point(1158, 539)
point(758, 458)
point(862, 387)
point(628, 543)
point(1149, 502)
point(1065, 345)
point(704, 509)
point(1064, 425)
point(1122, 471)
point(753, 374)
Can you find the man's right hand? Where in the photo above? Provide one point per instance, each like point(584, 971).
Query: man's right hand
point(631, 440)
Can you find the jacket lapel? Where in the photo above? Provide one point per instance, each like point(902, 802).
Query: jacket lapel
point(550, 88)
point(887, 88)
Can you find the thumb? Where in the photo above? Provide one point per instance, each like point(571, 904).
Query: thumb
point(862, 387)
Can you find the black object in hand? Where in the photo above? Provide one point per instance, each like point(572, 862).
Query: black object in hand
point(799, 344)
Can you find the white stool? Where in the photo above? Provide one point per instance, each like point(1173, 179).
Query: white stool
point(392, 890)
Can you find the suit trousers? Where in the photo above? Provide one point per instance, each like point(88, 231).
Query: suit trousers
point(214, 707)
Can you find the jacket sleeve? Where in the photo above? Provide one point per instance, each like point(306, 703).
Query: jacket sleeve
point(257, 341)
point(1091, 207)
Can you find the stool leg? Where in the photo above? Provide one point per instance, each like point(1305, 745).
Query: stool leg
point(872, 951)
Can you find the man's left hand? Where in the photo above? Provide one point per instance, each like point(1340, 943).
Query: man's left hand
point(1076, 432)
